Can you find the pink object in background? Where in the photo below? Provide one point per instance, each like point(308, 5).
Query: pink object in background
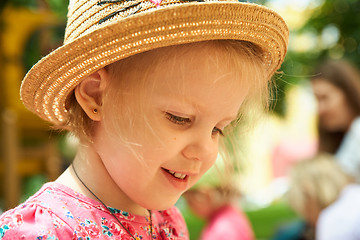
point(288, 152)
point(228, 223)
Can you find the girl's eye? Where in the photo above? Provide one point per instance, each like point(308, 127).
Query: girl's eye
point(183, 121)
point(177, 120)
point(217, 130)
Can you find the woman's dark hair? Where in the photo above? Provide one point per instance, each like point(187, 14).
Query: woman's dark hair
point(346, 77)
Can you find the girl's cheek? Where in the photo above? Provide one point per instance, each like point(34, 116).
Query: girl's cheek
point(209, 164)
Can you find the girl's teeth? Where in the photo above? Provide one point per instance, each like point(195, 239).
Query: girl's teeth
point(179, 175)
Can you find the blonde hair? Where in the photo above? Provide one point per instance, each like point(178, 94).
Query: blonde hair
point(319, 179)
point(237, 53)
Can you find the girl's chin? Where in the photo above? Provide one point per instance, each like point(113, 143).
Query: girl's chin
point(160, 205)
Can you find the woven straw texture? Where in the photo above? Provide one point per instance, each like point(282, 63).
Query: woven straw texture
point(100, 33)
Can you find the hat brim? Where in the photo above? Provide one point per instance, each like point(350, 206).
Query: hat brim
point(47, 85)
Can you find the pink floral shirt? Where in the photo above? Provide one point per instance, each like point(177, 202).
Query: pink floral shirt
point(58, 212)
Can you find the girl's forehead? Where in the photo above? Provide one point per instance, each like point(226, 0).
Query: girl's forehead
point(190, 60)
point(190, 53)
point(199, 79)
point(194, 69)
point(188, 70)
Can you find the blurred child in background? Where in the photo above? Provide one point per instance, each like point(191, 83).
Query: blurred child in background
point(326, 197)
point(215, 198)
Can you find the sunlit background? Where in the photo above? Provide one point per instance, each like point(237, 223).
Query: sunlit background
point(32, 153)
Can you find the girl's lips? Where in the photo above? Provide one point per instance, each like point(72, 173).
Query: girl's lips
point(179, 183)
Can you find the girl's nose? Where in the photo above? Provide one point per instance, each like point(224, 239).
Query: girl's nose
point(202, 147)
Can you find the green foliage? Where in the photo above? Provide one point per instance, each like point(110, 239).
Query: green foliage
point(31, 185)
point(334, 19)
point(195, 225)
point(266, 221)
point(34, 48)
point(2, 4)
point(294, 71)
point(344, 15)
point(59, 7)
point(24, 3)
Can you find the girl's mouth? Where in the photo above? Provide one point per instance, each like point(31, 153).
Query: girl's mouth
point(177, 175)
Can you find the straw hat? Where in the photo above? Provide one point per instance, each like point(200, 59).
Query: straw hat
point(100, 32)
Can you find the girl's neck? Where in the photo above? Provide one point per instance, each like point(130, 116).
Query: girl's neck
point(93, 173)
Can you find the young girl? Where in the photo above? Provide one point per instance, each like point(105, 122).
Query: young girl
point(149, 87)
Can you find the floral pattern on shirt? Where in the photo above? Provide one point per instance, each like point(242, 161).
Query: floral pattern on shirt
point(57, 212)
point(10, 222)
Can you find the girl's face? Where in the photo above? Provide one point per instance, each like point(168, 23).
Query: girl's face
point(189, 101)
point(335, 113)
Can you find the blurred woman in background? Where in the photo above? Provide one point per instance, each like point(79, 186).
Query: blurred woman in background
point(336, 86)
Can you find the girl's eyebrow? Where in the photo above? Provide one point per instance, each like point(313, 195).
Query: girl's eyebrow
point(190, 107)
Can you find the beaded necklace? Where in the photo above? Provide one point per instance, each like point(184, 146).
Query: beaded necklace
point(127, 230)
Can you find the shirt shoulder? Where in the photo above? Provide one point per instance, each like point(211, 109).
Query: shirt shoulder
point(33, 221)
point(58, 212)
point(48, 214)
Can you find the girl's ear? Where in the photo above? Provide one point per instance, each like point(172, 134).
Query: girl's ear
point(89, 93)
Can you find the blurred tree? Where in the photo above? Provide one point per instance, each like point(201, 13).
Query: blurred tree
point(2, 4)
point(47, 37)
point(332, 32)
point(27, 3)
point(338, 19)
point(59, 7)
point(30, 29)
